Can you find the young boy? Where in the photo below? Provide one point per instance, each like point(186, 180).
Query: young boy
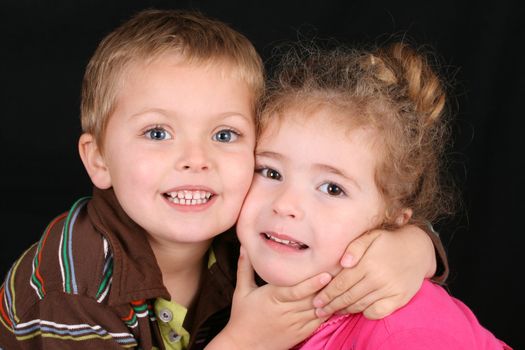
point(149, 260)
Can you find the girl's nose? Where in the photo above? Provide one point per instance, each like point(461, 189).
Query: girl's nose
point(288, 204)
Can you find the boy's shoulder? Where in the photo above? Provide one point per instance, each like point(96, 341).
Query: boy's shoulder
point(60, 279)
point(69, 258)
point(88, 278)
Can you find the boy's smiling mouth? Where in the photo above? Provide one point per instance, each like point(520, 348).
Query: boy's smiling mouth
point(189, 197)
point(284, 241)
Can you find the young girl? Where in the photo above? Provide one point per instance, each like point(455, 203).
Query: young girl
point(351, 141)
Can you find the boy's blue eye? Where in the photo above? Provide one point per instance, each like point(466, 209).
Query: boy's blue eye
point(332, 189)
point(269, 173)
point(225, 135)
point(157, 134)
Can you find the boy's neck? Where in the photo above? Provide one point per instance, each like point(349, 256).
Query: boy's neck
point(181, 267)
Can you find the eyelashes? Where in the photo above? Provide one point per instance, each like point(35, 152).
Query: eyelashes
point(226, 135)
point(159, 133)
point(330, 188)
point(268, 173)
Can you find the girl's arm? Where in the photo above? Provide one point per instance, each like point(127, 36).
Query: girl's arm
point(383, 271)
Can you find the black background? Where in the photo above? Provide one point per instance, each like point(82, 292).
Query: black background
point(46, 44)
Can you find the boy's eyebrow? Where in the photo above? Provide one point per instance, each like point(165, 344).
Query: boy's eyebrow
point(336, 171)
point(165, 112)
point(148, 110)
point(247, 118)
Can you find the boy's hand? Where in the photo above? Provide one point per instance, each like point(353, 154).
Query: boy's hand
point(383, 271)
point(269, 317)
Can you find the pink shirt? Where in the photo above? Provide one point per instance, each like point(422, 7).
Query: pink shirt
point(432, 320)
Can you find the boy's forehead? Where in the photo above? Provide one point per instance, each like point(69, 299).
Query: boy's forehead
point(167, 59)
point(170, 80)
point(222, 66)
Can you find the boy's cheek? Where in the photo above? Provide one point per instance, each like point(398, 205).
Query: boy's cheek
point(252, 206)
point(242, 189)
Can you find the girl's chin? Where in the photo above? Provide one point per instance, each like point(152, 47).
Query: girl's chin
point(278, 280)
point(284, 280)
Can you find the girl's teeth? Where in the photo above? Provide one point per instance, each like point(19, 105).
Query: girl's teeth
point(286, 242)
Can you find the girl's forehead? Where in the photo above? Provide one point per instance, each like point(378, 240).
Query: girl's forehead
point(325, 131)
point(327, 115)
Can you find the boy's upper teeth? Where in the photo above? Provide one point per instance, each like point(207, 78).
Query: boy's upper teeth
point(186, 194)
point(188, 197)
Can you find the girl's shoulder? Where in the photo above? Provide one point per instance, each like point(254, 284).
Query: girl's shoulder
point(433, 319)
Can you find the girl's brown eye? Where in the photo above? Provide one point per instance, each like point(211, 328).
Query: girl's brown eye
point(272, 174)
point(269, 173)
point(332, 189)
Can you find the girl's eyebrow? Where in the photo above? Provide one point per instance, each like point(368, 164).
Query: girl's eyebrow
point(317, 166)
point(336, 171)
point(269, 154)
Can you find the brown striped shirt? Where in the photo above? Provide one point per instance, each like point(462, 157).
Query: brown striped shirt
point(91, 282)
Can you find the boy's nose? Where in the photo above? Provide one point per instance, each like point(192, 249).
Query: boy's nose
point(193, 158)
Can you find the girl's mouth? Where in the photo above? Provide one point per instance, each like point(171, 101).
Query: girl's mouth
point(287, 242)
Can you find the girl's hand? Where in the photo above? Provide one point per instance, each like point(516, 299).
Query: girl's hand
point(269, 317)
point(383, 271)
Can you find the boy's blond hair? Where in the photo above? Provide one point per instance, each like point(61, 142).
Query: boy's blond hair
point(148, 35)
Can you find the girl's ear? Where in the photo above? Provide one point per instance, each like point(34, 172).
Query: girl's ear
point(94, 161)
point(404, 217)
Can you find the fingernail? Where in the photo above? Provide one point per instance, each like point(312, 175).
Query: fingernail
point(325, 278)
point(321, 313)
point(318, 303)
point(346, 260)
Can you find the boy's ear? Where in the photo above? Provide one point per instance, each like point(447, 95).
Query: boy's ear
point(94, 161)
point(404, 217)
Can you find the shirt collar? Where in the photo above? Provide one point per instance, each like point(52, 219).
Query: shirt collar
point(136, 274)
